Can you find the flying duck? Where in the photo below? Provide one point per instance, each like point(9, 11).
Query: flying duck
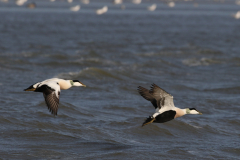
point(51, 89)
point(163, 103)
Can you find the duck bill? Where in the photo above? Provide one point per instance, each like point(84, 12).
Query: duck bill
point(83, 85)
point(31, 88)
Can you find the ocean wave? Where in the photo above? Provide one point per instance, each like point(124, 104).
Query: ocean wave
point(154, 129)
point(227, 90)
point(72, 110)
point(65, 110)
point(186, 87)
point(199, 62)
point(209, 52)
point(184, 126)
point(95, 60)
point(233, 150)
point(30, 54)
point(234, 122)
point(235, 60)
point(89, 72)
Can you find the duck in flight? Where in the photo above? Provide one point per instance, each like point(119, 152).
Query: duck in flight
point(163, 103)
point(51, 89)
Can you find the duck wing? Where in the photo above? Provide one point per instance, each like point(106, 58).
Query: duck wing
point(145, 93)
point(51, 93)
point(164, 100)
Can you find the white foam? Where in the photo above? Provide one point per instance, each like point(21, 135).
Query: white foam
point(198, 62)
point(192, 152)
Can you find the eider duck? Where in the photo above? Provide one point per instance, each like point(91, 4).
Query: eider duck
point(51, 90)
point(163, 103)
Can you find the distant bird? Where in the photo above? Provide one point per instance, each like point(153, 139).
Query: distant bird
point(152, 7)
point(136, 1)
point(163, 103)
point(117, 1)
point(171, 4)
point(51, 90)
point(20, 2)
point(85, 1)
point(4, 1)
point(31, 5)
point(102, 10)
point(237, 2)
point(75, 8)
point(237, 15)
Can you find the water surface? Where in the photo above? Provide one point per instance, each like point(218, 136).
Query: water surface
point(192, 52)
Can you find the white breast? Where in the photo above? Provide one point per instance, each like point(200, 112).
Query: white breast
point(64, 84)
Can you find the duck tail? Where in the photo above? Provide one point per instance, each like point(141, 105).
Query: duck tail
point(149, 120)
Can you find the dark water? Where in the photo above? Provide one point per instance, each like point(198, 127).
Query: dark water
point(192, 52)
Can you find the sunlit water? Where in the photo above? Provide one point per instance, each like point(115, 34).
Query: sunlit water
point(192, 52)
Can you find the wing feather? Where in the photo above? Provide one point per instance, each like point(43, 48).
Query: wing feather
point(147, 95)
point(158, 92)
point(51, 93)
point(163, 98)
point(52, 102)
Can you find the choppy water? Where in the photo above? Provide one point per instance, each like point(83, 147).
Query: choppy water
point(192, 52)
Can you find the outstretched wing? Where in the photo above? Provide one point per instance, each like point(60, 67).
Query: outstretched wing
point(147, 95)
point(163, 98)
point(51, 93)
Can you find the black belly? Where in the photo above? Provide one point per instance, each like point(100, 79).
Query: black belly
point(165, 116)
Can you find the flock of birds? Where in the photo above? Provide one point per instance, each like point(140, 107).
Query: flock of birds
point(160, 99)
point(98, 11)
point(104, 9)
